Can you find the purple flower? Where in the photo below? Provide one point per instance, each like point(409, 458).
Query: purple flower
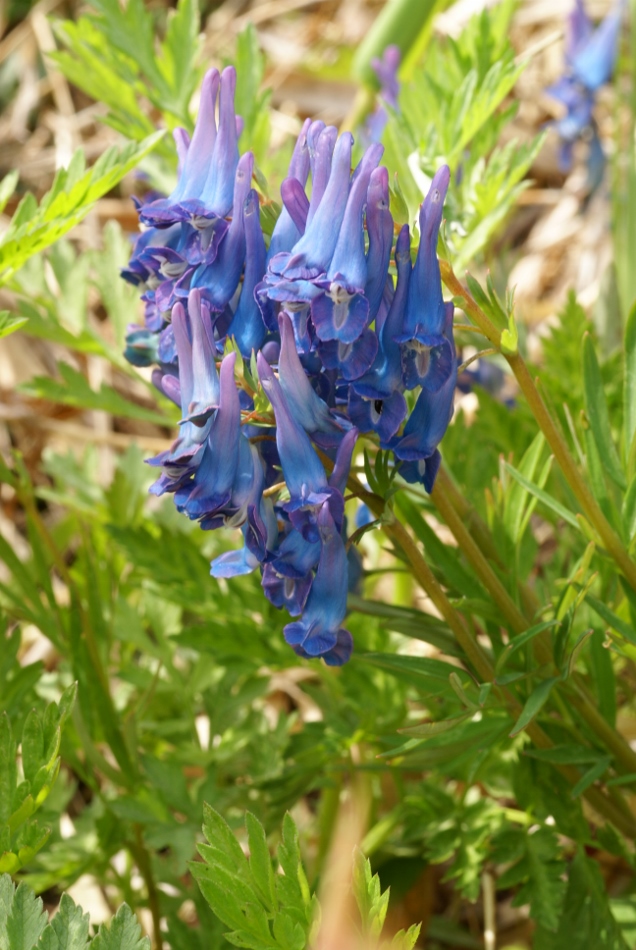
point(590, 56)
point(205, 186)
point(336, 345)
point(427, 357)
point(319, 632)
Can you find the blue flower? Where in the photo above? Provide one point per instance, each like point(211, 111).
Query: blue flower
point(590, 58)
point(204, 190)
point(427, 358)
point(592, 53)
point(286, 233)
point(385, 376)
point(579, 105)
point(386, 70)
point(309, 410)
point(319, 632)
point(197, 365)
point(218, 281)
point(380, 231)
point(417, 446)
point(311, 255)
point(302, 469)
point(247, 325)
point(210, 491)
point(336, 345)
point(141, 346)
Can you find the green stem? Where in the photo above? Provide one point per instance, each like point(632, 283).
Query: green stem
point(577, 483)
point(141, 856)
point(579, 697)
point(476, 655)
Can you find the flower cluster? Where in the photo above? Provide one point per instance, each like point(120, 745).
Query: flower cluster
point(590, 55)
point(335, 341)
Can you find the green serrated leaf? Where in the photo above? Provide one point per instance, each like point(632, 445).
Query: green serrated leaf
point(33, 227)
point(260, 861)
point(68, 930)
point(26, 920)
point(122, 933)
point(541, 874)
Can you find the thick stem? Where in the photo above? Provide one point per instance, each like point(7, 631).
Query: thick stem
point(577, 483)
point(478, 658)
point(579, 697)
point(482, 568)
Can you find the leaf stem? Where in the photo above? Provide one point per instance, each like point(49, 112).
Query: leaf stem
point(603, 805)
point(579, 696)
point(577, 483)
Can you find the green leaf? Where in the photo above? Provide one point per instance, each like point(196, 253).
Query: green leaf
point(586, 920)
point(543, 496)
point(7, 187)
point(32, 745)
point(406, 939)
point(539, 870)
point(434, 728)
point(598, 415)
point(180, 50)
point(8, 769)
point(604, 677)
point(620, 626)
point(428, 674)
point(372, 903)
point(26, 920)
point(515, 516)
point(630, 380)
point(520, 641)
point(534, 704)
point(71, 197)
point(628, 513)
point(565, 755)
point(260, 861)
point(591, 776)
point(74, 390)
point(123, 933)
point(509, 341)
point(9, 323)
point(68, 930)
point(224, 845)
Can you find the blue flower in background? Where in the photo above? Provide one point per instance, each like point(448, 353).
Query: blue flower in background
point(337, 339)
point(386, 69)
point(590, 57)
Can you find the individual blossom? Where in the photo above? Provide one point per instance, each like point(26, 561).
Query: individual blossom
point(386, 70)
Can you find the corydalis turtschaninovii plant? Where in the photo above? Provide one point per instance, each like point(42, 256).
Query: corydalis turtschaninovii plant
point(590, 56)
point(338, 342)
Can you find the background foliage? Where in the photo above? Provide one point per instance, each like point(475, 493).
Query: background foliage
point(164, 699)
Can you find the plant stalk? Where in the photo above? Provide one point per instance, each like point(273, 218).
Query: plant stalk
point(605, 807)
point(577, 483)
point(580, 696)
